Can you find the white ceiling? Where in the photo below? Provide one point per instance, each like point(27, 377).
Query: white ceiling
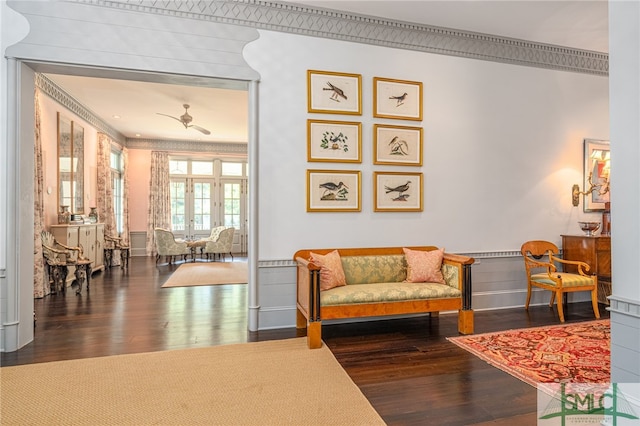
point(577, 24)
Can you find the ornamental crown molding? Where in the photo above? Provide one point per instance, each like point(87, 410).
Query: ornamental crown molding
point(338, 25)
point(218, 148)
point(58, 94)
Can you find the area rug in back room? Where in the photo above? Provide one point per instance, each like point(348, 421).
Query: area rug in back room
point(208, 273)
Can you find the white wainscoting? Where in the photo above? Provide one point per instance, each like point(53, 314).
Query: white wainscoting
point(138, 243)
point(498, 282)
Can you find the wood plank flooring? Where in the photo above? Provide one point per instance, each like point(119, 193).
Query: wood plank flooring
point(406, 368)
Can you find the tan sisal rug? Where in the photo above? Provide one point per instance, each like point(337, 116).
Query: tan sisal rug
point(211, 273)
point(279, 382)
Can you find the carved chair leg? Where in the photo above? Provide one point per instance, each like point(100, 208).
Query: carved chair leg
point(560, 307)
point(526, 305)
point(594, 302)
point(81, 274)
point(124, 258)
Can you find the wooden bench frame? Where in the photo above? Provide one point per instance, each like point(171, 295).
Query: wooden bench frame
point(310, 314)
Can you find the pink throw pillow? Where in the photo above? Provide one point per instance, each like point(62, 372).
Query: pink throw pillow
point(331, 272)
point(424, 266)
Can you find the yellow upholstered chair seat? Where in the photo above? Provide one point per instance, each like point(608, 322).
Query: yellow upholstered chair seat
point(568, 280)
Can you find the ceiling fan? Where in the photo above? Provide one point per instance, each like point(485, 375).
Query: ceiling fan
point(185, 119)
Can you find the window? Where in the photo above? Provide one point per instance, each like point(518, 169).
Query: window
point(178, 167)
point(232, 169)
point(117, 188)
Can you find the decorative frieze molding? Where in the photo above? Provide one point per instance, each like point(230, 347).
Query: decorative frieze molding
point(327, 23)
point(58, 94)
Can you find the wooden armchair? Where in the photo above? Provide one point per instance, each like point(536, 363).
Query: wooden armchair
point(60, 259)
point(112, 244)
point(540, 263)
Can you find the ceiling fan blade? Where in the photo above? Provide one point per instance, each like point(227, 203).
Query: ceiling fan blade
point(200, 129)
point(170, 116)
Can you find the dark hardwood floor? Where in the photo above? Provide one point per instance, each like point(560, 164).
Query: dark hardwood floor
point(406, 368)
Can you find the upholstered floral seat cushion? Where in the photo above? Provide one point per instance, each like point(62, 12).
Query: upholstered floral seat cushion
point(568, 280)
point(386, 292)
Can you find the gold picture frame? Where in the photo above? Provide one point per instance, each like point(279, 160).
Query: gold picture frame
point(334, 141)
point(333, 191)
point(397, 145)
point(397, 99)
point(397, 192)
point(334, 93)
point(597, 157)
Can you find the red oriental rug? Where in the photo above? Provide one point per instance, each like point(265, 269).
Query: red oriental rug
point(575, 353)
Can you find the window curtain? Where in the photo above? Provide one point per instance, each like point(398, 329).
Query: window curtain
point(125, 196)
point(40, 282)
point(104, 195)
point(159, 214)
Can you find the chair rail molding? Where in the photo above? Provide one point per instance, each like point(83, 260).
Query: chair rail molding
point(333, 24)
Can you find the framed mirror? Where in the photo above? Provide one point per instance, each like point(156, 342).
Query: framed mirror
point(70, 165)
point(597, 158)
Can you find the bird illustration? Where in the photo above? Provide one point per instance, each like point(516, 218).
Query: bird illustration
point(398, 146)
point(401, 197)
point(337, 92)
point(399, 189)
point(332, 186)
point(333, 191)
point(399, 99)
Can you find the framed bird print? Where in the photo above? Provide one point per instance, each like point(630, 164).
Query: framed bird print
point(333, 191)
point(399, 99)
point(334, 93)
point(397, 145)
point(397, 192)
point(334, 141)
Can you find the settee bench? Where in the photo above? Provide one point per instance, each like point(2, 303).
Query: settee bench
point(376, 285)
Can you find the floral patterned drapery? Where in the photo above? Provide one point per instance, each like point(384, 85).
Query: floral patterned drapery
point(40, 283)
point(159, 215)
point(125, 196)
point(104, 194)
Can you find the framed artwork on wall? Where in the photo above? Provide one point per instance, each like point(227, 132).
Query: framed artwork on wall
point(334, 141)
point(398, 99)
point(333, 190)
point(397, 192)
point(597, 159)
point(334, 93)
point(397, 145)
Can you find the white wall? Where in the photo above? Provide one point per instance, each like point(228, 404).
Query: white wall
point(503, 146)
point(624, 40)
point(503, 143)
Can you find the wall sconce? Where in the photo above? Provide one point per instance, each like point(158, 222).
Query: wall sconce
point(602, 189)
